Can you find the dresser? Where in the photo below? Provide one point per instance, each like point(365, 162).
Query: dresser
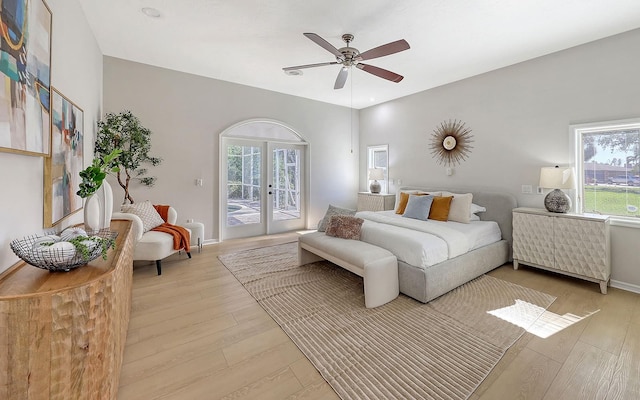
point(572, 244)
point(375, 201)
point(62, 334)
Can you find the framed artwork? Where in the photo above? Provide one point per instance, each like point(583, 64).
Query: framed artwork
point(62, 168)
point(25, 69)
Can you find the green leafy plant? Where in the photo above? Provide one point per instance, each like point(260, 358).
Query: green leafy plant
point(93, 175)
point(125, 132)
point(80, 243)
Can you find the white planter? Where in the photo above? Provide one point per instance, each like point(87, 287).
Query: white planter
point(98, 209)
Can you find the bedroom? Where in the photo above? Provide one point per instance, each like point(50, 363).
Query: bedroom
point(517, 131)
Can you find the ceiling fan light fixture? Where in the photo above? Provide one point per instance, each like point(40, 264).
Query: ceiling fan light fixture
point(350, 56)
point(293, 72)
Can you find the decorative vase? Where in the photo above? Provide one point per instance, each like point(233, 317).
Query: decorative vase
point(98, 209)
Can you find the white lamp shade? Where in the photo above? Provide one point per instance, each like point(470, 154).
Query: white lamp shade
point(375, 174)
point(557, 178)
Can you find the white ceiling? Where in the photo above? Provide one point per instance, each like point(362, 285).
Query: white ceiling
point(250, 41)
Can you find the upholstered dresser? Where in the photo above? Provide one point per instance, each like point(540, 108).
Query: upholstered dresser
point(571, 244)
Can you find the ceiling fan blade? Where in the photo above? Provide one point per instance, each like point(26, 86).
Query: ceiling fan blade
point(382, 73)
point(309, 66)
point(385, 49)
point(342, 78)
point(324, 44)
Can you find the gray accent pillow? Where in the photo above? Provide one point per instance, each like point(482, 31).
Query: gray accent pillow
point(331, 211)
point(418, 207)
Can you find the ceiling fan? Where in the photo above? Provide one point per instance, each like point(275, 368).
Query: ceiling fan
point(350, 56)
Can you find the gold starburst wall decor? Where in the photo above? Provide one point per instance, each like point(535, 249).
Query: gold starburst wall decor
point(451, 142)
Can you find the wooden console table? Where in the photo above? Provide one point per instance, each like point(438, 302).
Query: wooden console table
point(62, 334)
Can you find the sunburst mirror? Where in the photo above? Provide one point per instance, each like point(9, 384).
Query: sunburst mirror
point(451, 142)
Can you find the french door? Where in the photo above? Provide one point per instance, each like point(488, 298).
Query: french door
point(264, 183)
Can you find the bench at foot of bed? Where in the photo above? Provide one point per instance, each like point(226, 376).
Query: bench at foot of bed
point(378, 267)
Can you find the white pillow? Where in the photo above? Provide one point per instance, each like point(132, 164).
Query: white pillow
point(474, 217)
point(474, 208)
point(460, 210)
point(147, 213)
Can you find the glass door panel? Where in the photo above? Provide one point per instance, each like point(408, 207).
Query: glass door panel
point(244, 208)
point(285, 187)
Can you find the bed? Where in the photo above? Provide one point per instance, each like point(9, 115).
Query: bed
point(436, 257)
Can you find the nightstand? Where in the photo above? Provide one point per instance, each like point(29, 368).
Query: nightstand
point(375, 201)
point(572, 244)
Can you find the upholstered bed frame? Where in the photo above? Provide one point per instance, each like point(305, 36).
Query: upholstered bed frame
point(427, 284)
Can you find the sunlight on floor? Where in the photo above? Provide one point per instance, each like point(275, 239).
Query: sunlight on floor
point(536, 319)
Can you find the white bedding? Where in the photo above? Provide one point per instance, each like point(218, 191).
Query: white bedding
point(425, 243)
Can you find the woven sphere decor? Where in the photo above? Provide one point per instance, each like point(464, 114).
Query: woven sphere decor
point(451, 142)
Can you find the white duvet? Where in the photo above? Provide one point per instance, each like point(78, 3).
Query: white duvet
point(425, 243)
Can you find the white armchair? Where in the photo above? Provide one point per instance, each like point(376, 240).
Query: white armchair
point(151, 245)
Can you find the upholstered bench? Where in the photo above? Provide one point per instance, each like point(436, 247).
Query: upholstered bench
point(377, 266)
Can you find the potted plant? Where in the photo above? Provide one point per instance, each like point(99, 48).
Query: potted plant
point(95, 174)
point(98, 205)
point(125, 132)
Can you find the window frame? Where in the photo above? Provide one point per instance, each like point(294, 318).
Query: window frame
point(577, 131)
point(370, 164)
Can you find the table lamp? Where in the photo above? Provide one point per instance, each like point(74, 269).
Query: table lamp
point(557, 178)
point(375, 174)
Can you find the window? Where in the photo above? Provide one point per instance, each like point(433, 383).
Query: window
point(608, 167)
point(378, 157)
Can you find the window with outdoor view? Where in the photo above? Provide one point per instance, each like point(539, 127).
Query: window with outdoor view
point(607, 163)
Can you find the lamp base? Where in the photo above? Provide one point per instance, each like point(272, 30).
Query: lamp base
point(375, 187)
point(557, 201)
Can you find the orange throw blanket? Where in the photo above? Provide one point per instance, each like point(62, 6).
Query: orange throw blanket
point(181, 237)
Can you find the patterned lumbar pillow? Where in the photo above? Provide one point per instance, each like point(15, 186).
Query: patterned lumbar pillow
point(331, 211)
point(147, 213)
point(345, 227)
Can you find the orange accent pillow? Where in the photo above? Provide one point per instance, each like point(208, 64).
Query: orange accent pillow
point(440, 208)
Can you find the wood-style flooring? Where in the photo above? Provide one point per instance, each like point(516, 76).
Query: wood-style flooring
point(196, 333)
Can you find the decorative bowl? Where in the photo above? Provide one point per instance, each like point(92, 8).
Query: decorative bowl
point(49, 252)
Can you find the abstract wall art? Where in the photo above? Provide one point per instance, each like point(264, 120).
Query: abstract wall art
point(25, 74)
point(62, 168)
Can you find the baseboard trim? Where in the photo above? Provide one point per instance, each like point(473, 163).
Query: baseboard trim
point(625, 286)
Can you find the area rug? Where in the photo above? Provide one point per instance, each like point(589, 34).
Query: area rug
point(402, 350)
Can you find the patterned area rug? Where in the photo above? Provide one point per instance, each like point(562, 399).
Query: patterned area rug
point(402, 350)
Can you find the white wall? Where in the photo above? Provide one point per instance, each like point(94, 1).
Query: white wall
point(186, 114)
point(76, 71)
point(519, 116)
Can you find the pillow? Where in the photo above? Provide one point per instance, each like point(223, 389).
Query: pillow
point(474, 217)
point(331, 211)
point(404, 198)
point(402, 204)
point(474, 209)
point(418, 207)
point(344, 226)
point(440, 208)
point(460, 209)
point(147, 213)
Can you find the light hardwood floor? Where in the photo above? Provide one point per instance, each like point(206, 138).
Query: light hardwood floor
point(195, 333)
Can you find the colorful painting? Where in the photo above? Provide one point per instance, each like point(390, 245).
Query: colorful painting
point(25, 73)
point(62, 169)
